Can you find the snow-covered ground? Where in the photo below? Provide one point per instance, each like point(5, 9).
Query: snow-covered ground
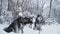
point(46, 29)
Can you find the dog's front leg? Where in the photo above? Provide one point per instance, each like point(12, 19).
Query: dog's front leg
point(16, 28)
point(22, 29)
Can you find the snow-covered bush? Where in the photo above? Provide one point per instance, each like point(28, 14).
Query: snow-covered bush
point(7, 17)
point(51, 21)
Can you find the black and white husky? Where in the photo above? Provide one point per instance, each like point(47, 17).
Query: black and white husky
point(17, 24)
point(39, 21)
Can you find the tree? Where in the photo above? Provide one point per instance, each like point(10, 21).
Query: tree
point(43, 3)
point(53, 4)
point(50, 8)
point(0, 7)
point(12, 6)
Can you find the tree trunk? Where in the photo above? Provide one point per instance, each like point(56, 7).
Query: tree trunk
point(1, 7)
point(50, 9)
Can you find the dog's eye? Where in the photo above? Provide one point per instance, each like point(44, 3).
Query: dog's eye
point(39, 18)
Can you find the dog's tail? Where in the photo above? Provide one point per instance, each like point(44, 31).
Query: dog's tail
point(8, 30)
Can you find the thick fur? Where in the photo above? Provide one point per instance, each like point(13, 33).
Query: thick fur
point(19, 21)
point(38, 23)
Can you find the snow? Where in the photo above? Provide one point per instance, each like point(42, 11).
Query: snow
point(46, 29)
point(52, 29)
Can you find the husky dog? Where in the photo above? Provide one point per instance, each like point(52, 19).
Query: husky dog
point(17, 24)
point(39, 21)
